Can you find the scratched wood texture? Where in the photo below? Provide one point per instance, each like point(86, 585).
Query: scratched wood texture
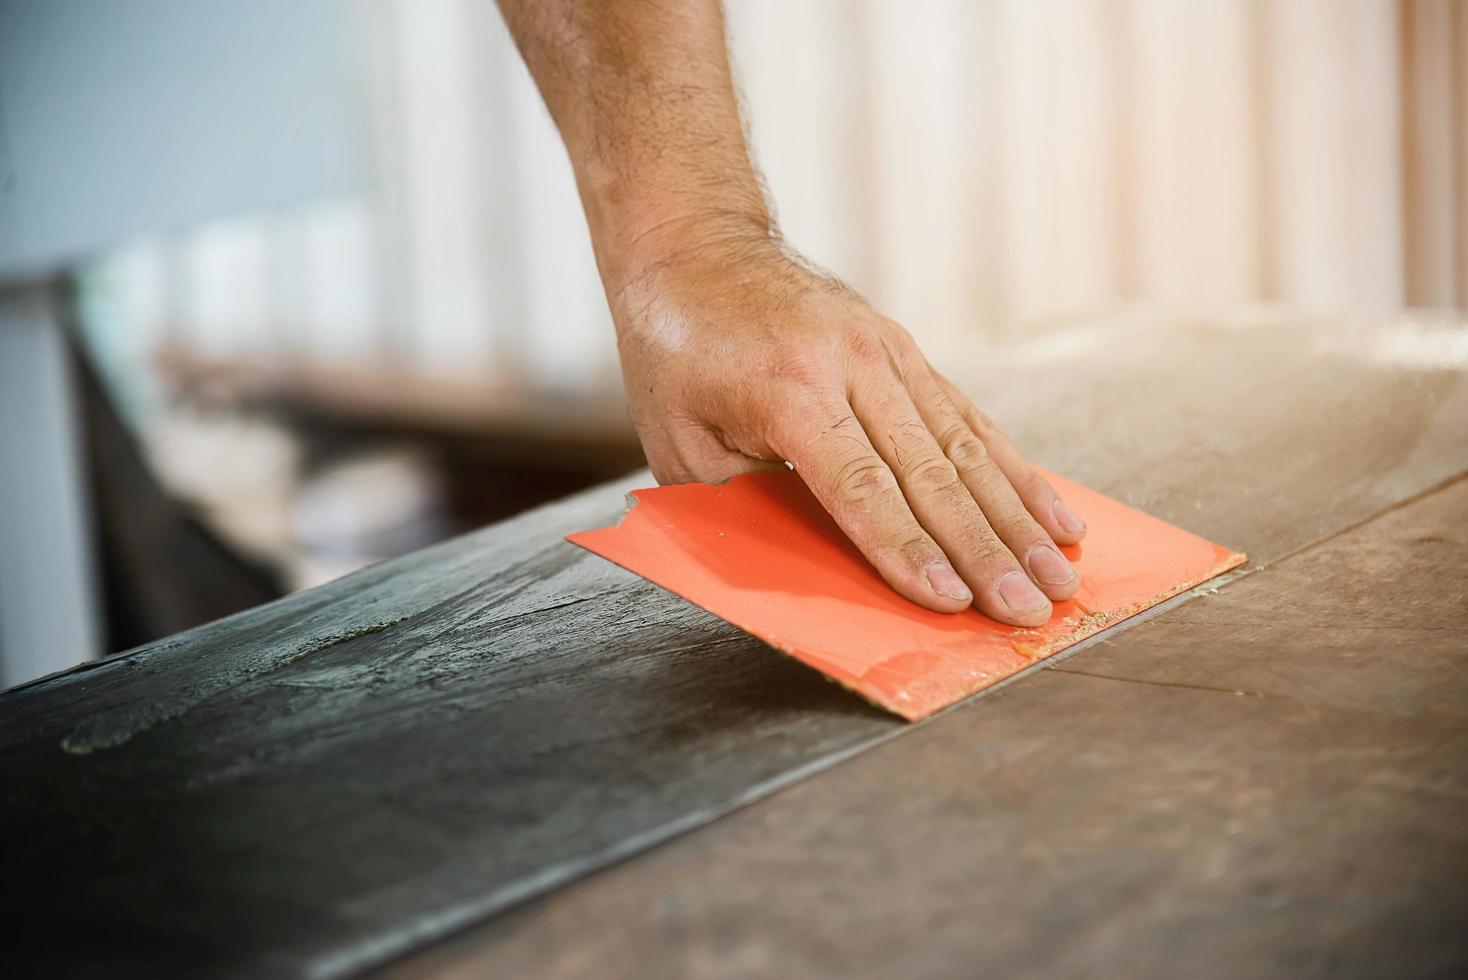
point(324, 783)
point(1267, 782)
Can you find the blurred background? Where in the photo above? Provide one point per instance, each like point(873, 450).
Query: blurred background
point(291, 288)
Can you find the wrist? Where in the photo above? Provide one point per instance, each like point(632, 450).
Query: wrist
point(635, 255)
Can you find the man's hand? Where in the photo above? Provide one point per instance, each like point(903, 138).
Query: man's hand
point(738, 356)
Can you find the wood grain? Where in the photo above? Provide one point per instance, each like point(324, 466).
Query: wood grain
point(337, 778)
point(1269, 781)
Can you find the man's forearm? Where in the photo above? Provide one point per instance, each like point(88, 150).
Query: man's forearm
point(737, 356)
point(642, 95)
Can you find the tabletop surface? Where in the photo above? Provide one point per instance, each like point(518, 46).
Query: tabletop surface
point(1270, 774)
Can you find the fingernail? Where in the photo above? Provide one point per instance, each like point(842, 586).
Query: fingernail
point(1020, 594)
point(1067, 518)
point(945, 582)
point(1050, 566)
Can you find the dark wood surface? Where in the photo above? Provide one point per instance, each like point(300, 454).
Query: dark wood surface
point(328, 780)
point(343, 776)
point(1269, 781)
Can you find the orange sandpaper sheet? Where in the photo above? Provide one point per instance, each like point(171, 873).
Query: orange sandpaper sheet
point(761, 553)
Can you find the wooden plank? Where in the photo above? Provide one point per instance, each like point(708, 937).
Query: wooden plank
point(329, 780)
point(1262, 430)
point(1271, 780)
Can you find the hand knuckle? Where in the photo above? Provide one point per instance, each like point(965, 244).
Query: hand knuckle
point(864, 345)
point(981, 422)
point(862, 478)
point(1020, 528)
point(800, 363)
point(964, 448)
point(904, 339)
point(916, 550)
point(930, 472)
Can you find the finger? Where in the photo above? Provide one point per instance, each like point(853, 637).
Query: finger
point(687, 451)
point(941, 502)
point(1040, 499)
point(990, 486)
point(663, 459)
point(658, 448)
point(703, 455)
point(831, 452)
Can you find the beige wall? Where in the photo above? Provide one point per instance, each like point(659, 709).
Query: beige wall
point(974, 167)
point(981, 164)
